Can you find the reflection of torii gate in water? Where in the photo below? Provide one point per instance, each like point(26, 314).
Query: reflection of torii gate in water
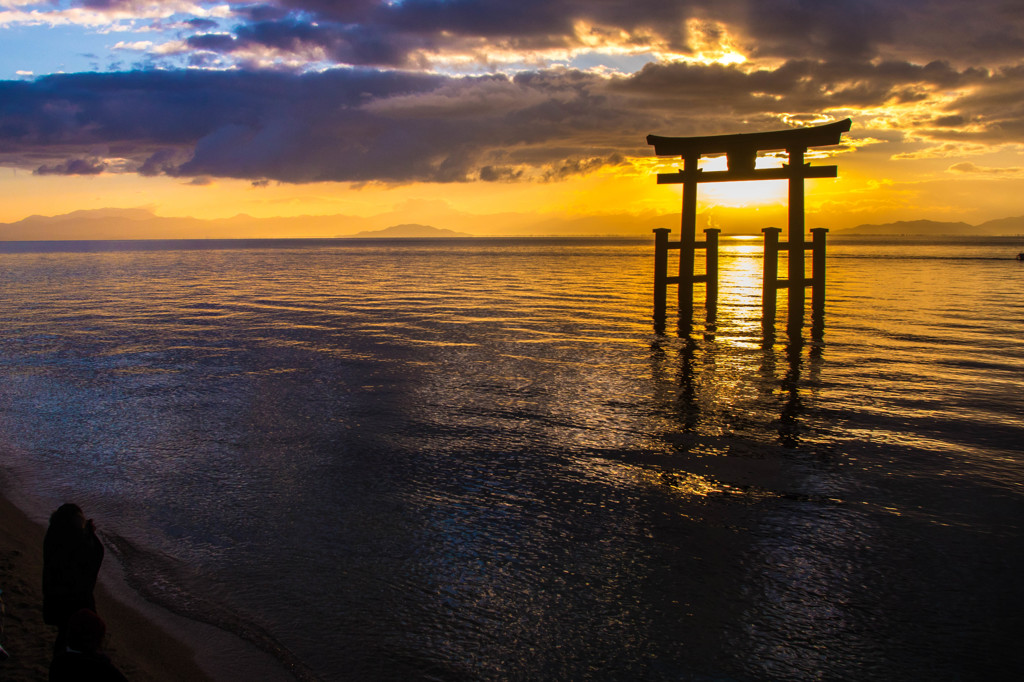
point(741, 151)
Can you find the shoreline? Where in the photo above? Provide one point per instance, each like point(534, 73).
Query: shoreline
point(145, 641)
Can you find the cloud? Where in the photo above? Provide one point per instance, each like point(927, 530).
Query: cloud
point(73, 167)
point(202, 24)
point(945, 150)
point(212, 41)
point(161, 162)
point(346, 125)
point(366, 125)
point(279, 110)
point(100, 15)
point(801, 85)
point(782, 28)
point(334, 43)
point(994, 109)
point(972, 169)
point(420, 33)
point(429, 33)
point(500, 174)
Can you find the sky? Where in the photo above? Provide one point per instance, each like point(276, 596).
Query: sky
point(422, 108)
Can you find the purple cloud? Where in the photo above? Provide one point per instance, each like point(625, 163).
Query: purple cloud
point(378, 33)
point(72, 167)
point(366, 125)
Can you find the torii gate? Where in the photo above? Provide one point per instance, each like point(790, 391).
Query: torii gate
point(741, 151)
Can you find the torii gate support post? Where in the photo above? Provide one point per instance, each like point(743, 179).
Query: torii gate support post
point(795, 241)
point(660, 276)
point(688, 240)
point(711, 281)
point(818, 282)
point(770, 282)
point(818, 269)
point(711, 266)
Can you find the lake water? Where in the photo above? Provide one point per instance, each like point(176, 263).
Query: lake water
point(475, 459)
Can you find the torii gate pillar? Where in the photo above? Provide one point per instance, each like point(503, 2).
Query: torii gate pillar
point(796, 227)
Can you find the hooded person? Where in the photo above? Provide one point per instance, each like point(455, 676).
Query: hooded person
point(72, 555)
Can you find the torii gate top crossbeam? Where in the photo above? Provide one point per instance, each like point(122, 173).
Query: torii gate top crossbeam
point(741, 150)
point(816, 136)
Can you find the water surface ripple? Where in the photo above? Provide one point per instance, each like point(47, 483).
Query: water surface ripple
point(476, 460)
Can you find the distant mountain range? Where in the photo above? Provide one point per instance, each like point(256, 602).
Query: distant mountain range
point(411, 231)
point(992, 228)
point(141, 223)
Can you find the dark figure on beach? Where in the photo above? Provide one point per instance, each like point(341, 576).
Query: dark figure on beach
point(83, 661)
point(72, 555)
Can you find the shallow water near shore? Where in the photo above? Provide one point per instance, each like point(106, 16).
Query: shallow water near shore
point(474, 459)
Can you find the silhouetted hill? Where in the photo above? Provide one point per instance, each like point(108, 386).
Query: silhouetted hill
point(1003, 226)
point(411, 230)
point(909, 227)
point(94, 214)
point(142, 223)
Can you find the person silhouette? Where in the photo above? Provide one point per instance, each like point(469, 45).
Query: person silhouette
point(72, 555)
point(83, 659)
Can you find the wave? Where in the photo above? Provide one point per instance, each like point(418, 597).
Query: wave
point(174, 585)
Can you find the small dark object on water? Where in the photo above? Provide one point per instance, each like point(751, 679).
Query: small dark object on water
point(1020, 256)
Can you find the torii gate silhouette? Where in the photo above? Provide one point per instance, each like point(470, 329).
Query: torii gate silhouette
point(741, 152)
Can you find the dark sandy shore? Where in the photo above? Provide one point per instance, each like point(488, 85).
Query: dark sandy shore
point(147, 643)
point(140, 648)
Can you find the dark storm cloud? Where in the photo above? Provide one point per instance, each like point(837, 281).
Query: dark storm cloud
point(487, 18)
point(377, 33)
point(995, 111)
point(499, 174)
point(104, 4)
point(72, 167)
point(161, 162)
point(202, 24)
point(803, 84)
point(365, 124)
point(341, 125)
point(261, 12)
point(834, 29)
point(354, 45)
point(216, 42)
point(374, 33)
point(368, 125)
